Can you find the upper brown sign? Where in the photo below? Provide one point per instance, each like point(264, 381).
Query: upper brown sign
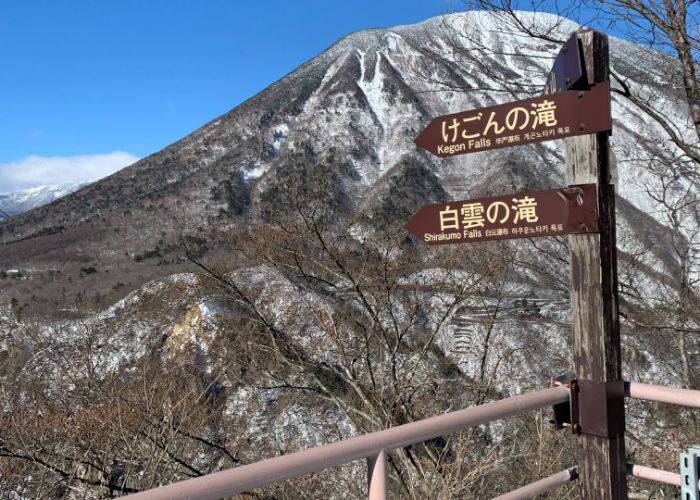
point(542, 213)
point(552, 116)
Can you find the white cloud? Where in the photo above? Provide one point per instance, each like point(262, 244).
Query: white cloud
point(34, 171)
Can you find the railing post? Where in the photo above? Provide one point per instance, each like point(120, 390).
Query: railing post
point(378, 476)
point(690, 472)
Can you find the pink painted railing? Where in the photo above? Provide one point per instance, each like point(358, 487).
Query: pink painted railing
point(371, 447)
point(374, 447)
point(542, 486)
point(661, 394)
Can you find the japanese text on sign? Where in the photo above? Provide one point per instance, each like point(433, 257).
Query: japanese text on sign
point(541, 213)
point(540, 122)
point(519, 118)
point(553, 116)
point(473, 215)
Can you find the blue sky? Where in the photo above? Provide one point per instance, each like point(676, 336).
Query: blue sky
point(115, 80)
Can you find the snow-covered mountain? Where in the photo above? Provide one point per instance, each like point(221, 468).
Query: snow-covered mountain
point(363, 100)
point(356, 107)
point(345, 121)
point(26, 199)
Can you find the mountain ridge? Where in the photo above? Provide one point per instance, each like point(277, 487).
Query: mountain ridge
point(16, 202)
point(359, 104)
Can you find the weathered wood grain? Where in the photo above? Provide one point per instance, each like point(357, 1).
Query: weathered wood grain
point(597, 357)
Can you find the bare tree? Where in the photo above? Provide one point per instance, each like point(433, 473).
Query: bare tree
point(360, 328)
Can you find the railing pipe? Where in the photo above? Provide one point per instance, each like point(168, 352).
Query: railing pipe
point(542, 486)
point(247, 477)
point(378, 476)
point(661, 394)
point(661, 476)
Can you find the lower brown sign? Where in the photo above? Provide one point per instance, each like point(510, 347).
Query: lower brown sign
point(567, 210)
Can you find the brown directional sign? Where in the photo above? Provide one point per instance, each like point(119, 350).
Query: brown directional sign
point(567, 210)
point(544, 118)
point(567, 71)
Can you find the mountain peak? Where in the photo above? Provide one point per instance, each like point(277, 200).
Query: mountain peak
point(356, 108)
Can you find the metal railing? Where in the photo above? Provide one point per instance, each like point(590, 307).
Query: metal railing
point(660, 476)
point(374, 447)
point(542, 486)
point(661, 394)
point(563, 477)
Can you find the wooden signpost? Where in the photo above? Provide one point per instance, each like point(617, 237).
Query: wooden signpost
point(585, 210)
point(596, 328)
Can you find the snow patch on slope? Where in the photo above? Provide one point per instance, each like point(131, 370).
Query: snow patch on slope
point(26, 199)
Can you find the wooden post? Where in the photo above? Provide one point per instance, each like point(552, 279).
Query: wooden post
point(601, 458)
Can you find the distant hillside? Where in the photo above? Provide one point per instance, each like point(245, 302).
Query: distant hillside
point(26, 199)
